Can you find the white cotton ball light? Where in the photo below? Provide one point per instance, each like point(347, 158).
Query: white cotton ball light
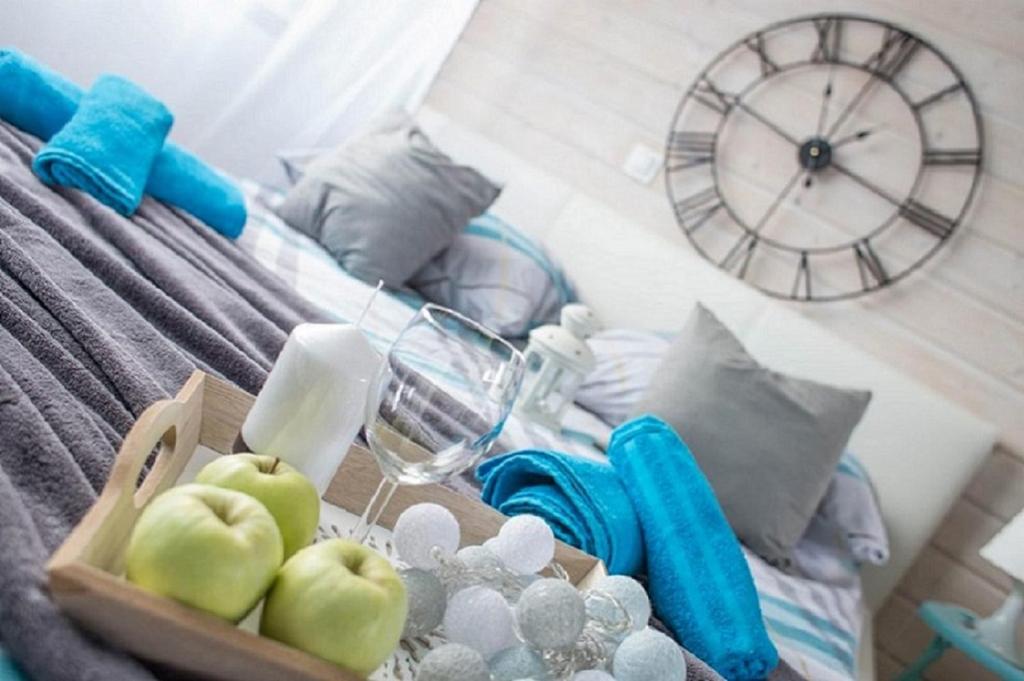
point(592, 675)
point(422, 527)
point(427, 602)
point(551, 614)
point(517, 663)
point(453, 662)
point(649, 656)
point(480, 618)
point(629, 593)
point(524, 544)
point(477, 557)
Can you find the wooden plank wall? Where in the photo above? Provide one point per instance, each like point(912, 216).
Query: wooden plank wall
point(572, 85)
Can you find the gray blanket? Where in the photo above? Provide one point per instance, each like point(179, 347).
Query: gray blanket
point(99, 317)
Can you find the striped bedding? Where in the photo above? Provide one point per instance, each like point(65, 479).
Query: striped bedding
point(815, 624)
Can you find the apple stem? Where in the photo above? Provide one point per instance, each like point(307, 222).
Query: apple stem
point(273, 468)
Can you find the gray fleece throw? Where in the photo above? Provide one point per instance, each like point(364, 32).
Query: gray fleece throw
point(99, 317)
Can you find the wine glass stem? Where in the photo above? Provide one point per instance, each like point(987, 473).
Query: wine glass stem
point(373, 511)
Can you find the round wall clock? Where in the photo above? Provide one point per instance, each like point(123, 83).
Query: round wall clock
point(824, 157)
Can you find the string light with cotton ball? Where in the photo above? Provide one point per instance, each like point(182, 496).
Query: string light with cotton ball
point(453, 662)
point(649, 656)
point(480, 618)
point(525, 544)
point(551, 614)
point(519, 662)
point(427, 602)
point(625, 595)
point(525, 627)
point(592, 675)
point(422, 528)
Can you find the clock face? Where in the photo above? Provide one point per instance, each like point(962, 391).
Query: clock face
point(824, 157)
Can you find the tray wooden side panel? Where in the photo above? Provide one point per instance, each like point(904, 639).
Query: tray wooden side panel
point(161, 630)
point(100, 538)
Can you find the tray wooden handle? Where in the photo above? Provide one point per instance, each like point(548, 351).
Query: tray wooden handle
point(100, 539)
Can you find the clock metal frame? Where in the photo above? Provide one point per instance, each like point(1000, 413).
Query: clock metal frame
point(687, 149)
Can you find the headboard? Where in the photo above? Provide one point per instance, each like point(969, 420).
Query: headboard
point(920, 449)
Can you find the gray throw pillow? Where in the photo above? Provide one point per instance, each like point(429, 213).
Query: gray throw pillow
point(768, 443)
point(386, 203)
point(497, 275)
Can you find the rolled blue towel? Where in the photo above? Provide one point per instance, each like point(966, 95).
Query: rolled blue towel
point(41, 102)
point(181, 179)
point(34, 98)
point(583, 502)
point(699, 582)
point(108, 147)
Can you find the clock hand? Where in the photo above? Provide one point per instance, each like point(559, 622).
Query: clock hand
point(855, 137)
point(760, 117)
point(852, 105)
point(867, 184)
point(777, 202)
point(826, 97)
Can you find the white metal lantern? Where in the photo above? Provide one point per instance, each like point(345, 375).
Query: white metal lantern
point(557, 360)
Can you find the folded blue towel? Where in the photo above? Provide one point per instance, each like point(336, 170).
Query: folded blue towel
point(41, 102)
point(108, 147)
point(582, 501)
point(699, 582)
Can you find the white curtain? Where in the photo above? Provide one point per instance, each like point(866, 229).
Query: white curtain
point(247, 79)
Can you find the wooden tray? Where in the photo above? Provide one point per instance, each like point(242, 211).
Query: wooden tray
point(86, 572)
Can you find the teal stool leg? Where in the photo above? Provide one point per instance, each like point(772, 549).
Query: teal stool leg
point(933, 652)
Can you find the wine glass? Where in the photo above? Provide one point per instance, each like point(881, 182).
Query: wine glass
point(438, 402)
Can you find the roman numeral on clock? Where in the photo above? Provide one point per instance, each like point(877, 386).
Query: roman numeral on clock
point(693, 211)
point(708, 94)
point(830, 36)
point(951, 157)
point(740, 254)
point(931, 221)
point(756, 44)
point(869, 266)
point(803, 278)
point(937, 96)
point(896, 50)
point(688, 149)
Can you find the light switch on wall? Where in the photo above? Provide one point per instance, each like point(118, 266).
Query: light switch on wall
point(642, 164)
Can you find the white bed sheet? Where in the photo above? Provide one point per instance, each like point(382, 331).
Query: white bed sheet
point(815, 625)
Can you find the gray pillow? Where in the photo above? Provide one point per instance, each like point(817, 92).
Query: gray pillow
point(386, 203)
point(768, 443)
point(497, 275)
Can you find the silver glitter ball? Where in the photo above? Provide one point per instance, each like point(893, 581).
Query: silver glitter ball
point(427, 602)
point(630, 599)
point(517, 663)
point(453, 662)
point(649, 656)
point(551, 614)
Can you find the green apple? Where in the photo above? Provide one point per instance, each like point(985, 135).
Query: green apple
point(289, 495)
point(339, 600)
point(212, 548)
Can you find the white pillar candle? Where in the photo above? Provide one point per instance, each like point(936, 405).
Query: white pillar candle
point(313, 403)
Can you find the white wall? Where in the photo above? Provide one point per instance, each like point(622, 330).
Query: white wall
point(249, 78)
point(573, 85)
point(192, 54)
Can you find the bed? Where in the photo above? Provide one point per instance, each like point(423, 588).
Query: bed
point(919, 449)
point(172, 296)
